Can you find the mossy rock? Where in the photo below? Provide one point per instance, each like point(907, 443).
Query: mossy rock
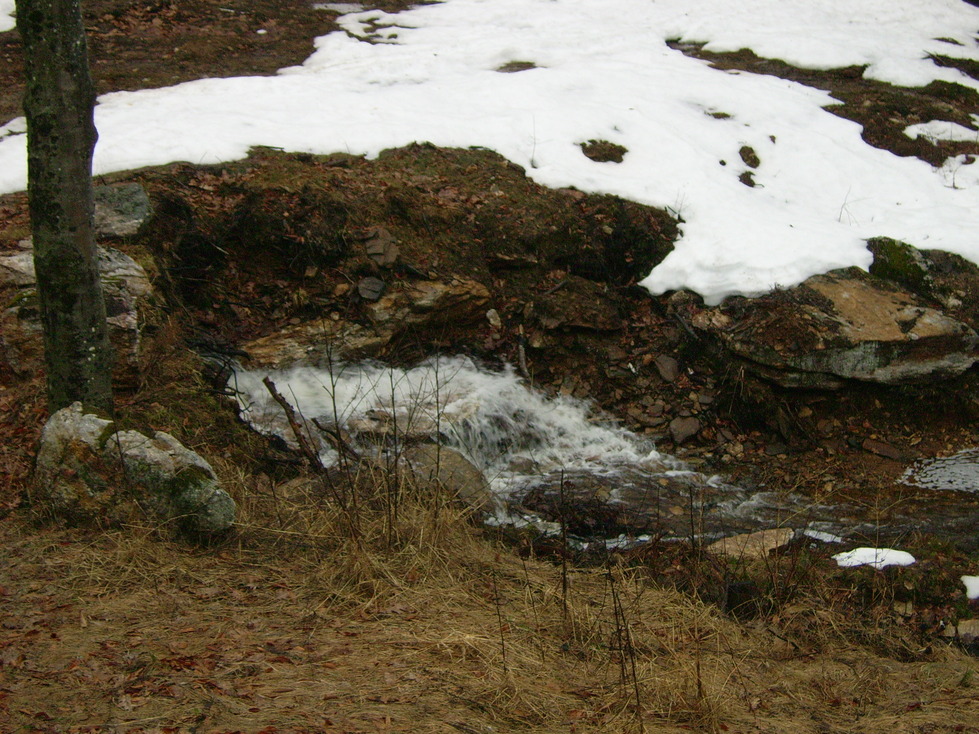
point(901, 263)
point(90, 473)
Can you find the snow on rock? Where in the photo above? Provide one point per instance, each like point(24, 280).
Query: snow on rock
point(840, 326)
point(876, 557)
point(822, 536)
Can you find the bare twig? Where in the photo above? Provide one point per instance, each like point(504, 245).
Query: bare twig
point(522, 354)
point(305, 445)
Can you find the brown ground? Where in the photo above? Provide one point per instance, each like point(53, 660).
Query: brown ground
point(428, 624)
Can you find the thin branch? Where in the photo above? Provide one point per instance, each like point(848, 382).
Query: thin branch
point(305, 445)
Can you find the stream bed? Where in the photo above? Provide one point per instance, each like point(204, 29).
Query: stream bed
point(542, 455)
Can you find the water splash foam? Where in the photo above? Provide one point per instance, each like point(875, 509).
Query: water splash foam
point(511, 432)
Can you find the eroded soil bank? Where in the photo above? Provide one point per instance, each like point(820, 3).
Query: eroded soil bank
point(543, 280)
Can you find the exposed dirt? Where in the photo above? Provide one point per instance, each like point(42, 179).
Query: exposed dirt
point(883, 110)
point(141, 45)
point(129, 632)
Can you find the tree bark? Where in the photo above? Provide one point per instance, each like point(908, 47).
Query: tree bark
point(61, 136)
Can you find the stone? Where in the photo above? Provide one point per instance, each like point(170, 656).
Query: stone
point(89, 473)
point(120, 209)
point(382, 247)
point(844, 325)
point(966, 631)
point(423, 309)
point(882, 449)
point(757, 545)
point(668, 367)
point(180, 485)
point(634, 500)
point(432, 464)
point(18, 269)
point(125, 287)
point(683, 428)
point(902, 264)
point(370, 289)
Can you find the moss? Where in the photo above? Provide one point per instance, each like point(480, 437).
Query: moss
point(188, 481)
point(108, 432)
point(603, 151)
point(952, 92)
point(749, 156)
point(900, 263)
point(25, 298)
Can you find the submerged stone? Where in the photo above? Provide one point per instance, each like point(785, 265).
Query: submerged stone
point(755, 545)
point(449, 470)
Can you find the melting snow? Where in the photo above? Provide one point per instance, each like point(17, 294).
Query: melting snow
point(6, 15)
point(603, 70)
point(957, 472)
point(876, 557)
point(943, 130)
point(971, 586)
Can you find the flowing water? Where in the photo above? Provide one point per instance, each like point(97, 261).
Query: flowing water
point(959, 472)
point(538, 451)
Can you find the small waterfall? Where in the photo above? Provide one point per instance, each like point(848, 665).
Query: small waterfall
point(514, 434)
point(532, 448)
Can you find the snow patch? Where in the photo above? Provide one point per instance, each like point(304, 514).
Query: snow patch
point(7, 21)
point(936, 130)
point(971, 586)
point(822, 536)
point(876, 557)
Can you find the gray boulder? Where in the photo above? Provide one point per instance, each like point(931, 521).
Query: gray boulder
point(428, 464)
point(120, 209)
point(125, 287)
point(844, 325)
point(87, 472)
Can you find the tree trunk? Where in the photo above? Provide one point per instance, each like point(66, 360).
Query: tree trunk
point(61, 139)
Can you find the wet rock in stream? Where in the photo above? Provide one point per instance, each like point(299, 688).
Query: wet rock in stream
point(672, 505)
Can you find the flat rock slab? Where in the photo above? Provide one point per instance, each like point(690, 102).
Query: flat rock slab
point(418, 308)
point(844, 325)
point(752, 545)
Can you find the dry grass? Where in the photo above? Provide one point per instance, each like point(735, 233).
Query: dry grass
point(312, 618)
point(356, 602)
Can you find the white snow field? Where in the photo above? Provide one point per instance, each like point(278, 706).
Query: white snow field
point(6, 15)
point(605, 71)
point(971, 586)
